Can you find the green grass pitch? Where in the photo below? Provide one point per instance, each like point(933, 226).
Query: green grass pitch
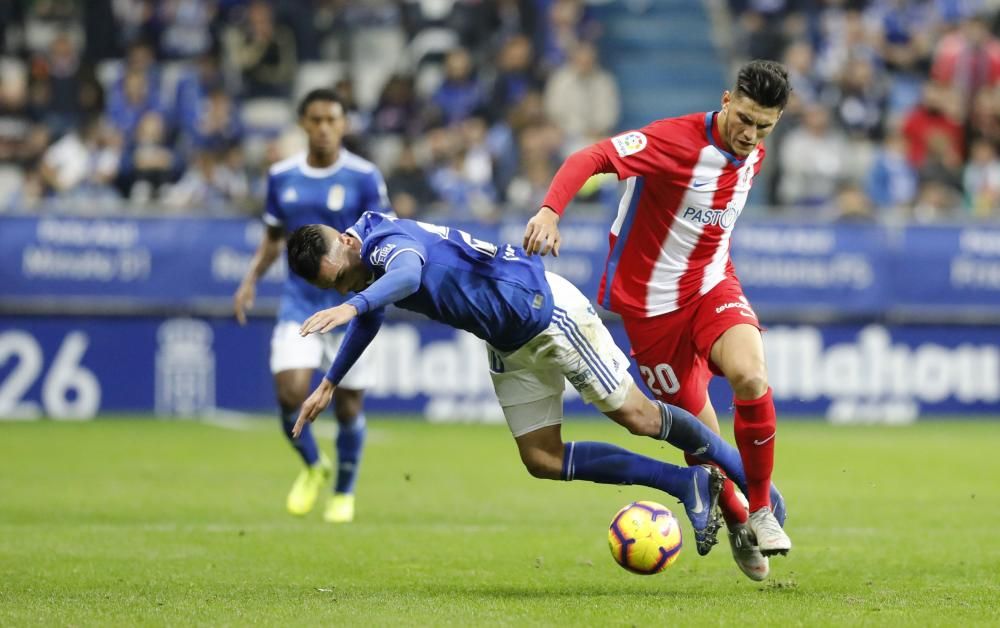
point(137, 522)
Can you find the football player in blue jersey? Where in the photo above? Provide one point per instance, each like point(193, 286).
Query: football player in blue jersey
point(331, 186)
point(539, 329)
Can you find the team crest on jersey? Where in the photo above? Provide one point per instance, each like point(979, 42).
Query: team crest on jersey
point(335, 198)
point(289, 195)
point(380, 254)
point(629, 143)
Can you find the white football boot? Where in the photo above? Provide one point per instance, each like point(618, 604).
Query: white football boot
point(771, 539)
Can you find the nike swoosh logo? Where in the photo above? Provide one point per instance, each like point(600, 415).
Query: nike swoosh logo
point(698, 184)
point(698, 506)
point(761, 442)
point(747, 314)
point(699, 451)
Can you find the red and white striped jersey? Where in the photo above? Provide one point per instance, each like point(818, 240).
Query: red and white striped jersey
point(669, 243)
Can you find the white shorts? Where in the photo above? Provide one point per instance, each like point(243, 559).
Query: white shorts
point(291, 351)
point(576, 346)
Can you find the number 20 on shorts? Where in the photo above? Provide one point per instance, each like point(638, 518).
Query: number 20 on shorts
point(660, 379)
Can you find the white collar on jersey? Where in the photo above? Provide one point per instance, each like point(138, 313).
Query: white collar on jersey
point(319, 173)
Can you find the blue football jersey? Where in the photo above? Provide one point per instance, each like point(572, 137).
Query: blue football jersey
point(495, 292)
point(337, 196)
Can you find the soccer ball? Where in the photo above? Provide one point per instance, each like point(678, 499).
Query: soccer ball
point(645, 537)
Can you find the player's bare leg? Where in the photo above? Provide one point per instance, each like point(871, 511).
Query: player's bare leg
point(292, 387)
point(739, 354)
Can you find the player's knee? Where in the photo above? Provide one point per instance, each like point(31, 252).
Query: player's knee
point(347, 406)
point(290, 397)
point(749, 383)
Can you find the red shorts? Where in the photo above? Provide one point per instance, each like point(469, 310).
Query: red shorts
point(673, 349)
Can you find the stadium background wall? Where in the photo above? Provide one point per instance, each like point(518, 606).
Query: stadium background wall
point(866, 322)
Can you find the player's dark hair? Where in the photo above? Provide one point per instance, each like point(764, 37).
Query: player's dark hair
point(319, 95)
point(764, 82)
point(306, 248)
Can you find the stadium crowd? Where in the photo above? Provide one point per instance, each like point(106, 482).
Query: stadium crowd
point(896, 105)
point(469, 106)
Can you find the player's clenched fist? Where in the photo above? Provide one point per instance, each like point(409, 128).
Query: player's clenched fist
point(542, 233)
point(327, 320)
point(318, 401)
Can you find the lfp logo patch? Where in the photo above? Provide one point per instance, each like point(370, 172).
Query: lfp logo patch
point(629, 143)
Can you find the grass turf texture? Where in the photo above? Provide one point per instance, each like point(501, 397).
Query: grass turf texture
point(131, 522)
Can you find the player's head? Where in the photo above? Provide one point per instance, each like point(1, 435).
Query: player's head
point(327, 259)
point(753, 107)
point(323, 117)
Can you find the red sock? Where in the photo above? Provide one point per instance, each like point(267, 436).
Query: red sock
point(755, 430)
point(732, 508)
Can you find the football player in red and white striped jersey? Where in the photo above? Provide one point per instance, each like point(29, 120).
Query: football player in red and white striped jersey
point(670, 277)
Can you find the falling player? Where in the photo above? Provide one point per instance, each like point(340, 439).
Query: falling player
point(540, 331)
point(669, 275)
point(328, 185)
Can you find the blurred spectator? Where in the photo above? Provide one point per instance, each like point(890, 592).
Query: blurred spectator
point(125, 108)
point(568, 24)
point(516, 76)
point(860, 99)
point(936, 201)
point(806, 86)
point(62, 65)
point(466, 194)
point(844, 37)
point(210, 184)
point(935, 116)
point(892, 180)
point(761, 34)
point(984, 118)
point(981, 180)
point(968, 59)
point(83, 164)
point(538, 154)
point(460, 93)
point(357, 120)
point(218, 124)
point(193, 89)
point(410, 193)
point(852, 205)
point(397, 111)
point(186, 31)
point(149, 162)
point(14, 120)
point(263, 52)
point(903, 32)
point(814, 158)
point(582, 98)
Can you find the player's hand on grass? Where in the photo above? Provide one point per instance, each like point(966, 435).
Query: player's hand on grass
point(542, 233)
point(243, 300)
point(327, 320)
point(318, 401)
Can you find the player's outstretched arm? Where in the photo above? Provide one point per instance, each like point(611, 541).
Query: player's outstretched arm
point(318, 401)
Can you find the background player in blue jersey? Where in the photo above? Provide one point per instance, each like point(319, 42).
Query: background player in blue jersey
point(539, 329)
point(331, 186)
